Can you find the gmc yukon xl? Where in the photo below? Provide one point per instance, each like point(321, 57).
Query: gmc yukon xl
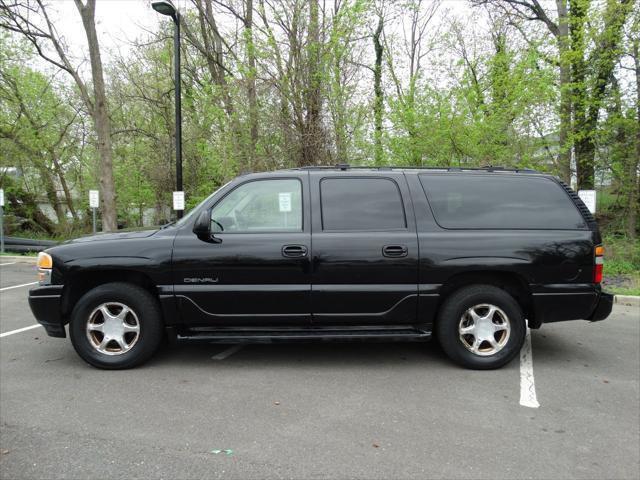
point(471, 256)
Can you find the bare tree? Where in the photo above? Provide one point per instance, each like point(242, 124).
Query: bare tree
point(31, 19)
point(378, 103)
point(312, 135)
point(251, 82)
point(634, 163)
point(415, 48)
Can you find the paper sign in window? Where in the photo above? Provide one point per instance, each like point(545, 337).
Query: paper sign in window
point(285, 202)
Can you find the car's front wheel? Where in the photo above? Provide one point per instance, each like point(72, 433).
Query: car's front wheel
point(116, 326)
point(481, 327)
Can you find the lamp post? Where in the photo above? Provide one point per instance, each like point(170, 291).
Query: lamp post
point(165, 7)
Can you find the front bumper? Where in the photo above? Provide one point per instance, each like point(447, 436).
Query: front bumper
point(46, 305)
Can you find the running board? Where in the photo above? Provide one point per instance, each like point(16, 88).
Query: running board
point(287, 334)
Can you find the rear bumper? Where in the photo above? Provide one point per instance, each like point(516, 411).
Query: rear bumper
point(603, 308)
point(46, 306)
point(556, 303)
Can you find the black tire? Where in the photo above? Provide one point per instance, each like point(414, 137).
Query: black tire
point(453, 315)
point(145, 311)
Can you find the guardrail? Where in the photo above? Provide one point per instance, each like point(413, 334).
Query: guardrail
point(26, 245)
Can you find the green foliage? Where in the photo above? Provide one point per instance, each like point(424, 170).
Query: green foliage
point(468, 93)
point(622, 255)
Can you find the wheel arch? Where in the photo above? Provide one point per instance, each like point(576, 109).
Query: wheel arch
point(513, 283)
point(84, 281)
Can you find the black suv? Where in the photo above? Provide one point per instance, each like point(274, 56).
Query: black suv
point(470, 255)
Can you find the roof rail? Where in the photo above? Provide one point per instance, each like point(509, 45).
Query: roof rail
point(486, 168)
point(339, 166)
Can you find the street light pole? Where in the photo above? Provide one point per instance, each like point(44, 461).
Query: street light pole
point(165, 7)
point(178, 105)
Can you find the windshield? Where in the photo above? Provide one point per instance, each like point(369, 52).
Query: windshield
point(195, 209)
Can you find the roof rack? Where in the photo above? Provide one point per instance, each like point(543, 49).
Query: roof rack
point(486, 168)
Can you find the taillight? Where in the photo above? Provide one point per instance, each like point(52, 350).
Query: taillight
point(599, 263)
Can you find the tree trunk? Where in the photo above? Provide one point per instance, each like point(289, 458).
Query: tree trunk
point(65, 187)
point(564, 155)
point(584, 147)
point(312, 131)
point(378, 104)
point(52, 195)
point(587, 102)
point(251, 85)
point(632, 223)
point(212, 49)
point(100, 116)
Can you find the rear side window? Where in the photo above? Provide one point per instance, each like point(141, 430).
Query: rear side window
point(500, 201)
point(350, 204)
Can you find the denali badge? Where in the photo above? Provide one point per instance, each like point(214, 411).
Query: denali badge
point(201, 280)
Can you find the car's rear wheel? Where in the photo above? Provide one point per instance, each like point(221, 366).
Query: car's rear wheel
point(116, 326)
point(481, 327)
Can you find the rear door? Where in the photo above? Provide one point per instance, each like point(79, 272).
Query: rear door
point(365, 249)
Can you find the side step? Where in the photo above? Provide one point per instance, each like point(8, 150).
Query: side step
point(296, 334)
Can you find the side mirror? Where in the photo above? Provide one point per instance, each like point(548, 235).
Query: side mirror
point(202, 227)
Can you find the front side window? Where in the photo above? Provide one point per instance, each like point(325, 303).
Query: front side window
point(364, 204)
point(259, 207)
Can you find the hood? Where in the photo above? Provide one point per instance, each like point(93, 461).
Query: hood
point(113, 236)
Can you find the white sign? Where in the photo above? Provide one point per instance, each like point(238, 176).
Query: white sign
point(1, 197)
point(94, 198)
point(178, 200)
point(285, 202)
point(589, 199)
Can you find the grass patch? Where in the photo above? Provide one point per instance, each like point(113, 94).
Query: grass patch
point(622, 284)
point(621, 265)
point(11, 254)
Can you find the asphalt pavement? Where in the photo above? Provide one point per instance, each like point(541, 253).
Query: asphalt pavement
point(360, 410)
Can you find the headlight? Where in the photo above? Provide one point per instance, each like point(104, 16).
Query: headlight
point(45, 264)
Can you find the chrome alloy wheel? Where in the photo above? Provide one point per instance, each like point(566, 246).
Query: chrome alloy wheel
point(484, 329)
point(113, 328)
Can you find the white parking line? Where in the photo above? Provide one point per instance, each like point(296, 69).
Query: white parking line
point(229, 351)
point(527, 384)
point(17, 286)
point(11, 332)
point(8, 263)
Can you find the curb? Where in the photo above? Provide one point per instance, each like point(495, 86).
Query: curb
point(18, 258)
point(630, 300)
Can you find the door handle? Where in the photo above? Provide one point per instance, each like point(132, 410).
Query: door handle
point(294, 251)
point(395, 251)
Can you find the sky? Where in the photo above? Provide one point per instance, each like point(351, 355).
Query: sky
point(119, 22)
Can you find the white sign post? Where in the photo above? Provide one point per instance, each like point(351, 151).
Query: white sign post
point(94, 203)
point(1, 220)
point(178, 200)
point(589, 199)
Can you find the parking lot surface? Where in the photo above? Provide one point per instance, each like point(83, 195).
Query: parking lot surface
point(360, 410)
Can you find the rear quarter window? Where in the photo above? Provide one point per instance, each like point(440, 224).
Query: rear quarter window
point(499, 201)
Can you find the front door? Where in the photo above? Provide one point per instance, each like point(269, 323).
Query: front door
point(365, 249)
point(257, 271)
